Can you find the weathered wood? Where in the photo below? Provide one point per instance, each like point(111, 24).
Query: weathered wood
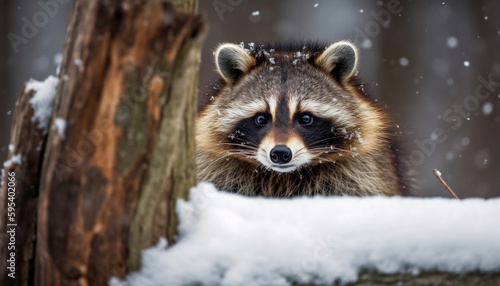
point(28, 142)
point(190, 6)
point(175, 145)
point(127, 93)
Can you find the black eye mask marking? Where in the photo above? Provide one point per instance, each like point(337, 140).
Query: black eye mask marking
point(249, 132)
point(316, 132)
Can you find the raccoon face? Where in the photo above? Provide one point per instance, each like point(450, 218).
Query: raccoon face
point(288, 110)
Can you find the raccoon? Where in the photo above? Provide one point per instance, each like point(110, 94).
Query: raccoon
point(290, 120)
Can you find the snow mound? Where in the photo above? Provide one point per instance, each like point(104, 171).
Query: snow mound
point(43, 100)
point(227, 239)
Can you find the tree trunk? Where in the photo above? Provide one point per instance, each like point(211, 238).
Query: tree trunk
point(20, 191)
point(107, 188)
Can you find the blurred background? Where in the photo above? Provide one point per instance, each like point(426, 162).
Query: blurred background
point(434, 65)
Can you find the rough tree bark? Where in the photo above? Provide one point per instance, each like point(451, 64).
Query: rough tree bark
point(26, 141)
point(107, 189)
point(91, 201)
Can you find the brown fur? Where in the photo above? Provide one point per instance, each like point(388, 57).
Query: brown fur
point(362, 161)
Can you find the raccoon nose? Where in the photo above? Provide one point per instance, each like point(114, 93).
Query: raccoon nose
point(281, 154)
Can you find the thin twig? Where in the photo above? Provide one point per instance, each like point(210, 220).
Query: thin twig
point(438, 175)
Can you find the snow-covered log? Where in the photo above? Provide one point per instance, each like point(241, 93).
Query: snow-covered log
point(228, 239)
point(105, 160)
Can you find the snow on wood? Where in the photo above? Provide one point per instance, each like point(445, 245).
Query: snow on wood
point(227, 239)
point(60, 125)
point(16, 159)
point(43, 100)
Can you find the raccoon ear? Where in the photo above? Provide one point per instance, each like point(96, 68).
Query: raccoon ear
point(232, 62)
point(340, 60)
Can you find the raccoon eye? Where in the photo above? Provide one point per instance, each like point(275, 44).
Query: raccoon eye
point(261, 120)
point(306, 119)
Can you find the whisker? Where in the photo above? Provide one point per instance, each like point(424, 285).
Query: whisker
point(239, 145)
point(260, 148)
point(226, 154)
point(320, 159)
point(298, 151)
point(213, 162)
point(332, 149)
point(326, 139)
